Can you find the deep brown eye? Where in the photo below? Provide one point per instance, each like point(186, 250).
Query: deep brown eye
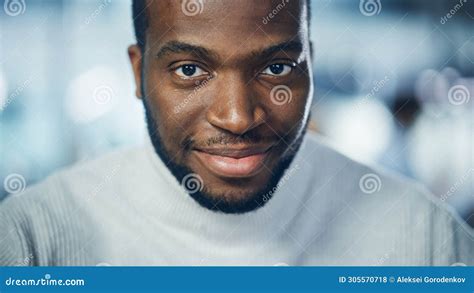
point(189, 71)
point(278, 69)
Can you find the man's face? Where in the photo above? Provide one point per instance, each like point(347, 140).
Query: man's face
point(227, 91)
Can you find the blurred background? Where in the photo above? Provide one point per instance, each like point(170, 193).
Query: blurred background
point(394, 87)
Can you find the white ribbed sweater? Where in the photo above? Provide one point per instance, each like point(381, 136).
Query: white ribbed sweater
point(128, 209)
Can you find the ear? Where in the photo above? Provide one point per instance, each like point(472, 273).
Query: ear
point(135, 55)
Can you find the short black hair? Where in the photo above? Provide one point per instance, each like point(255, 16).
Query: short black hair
point(140, 20)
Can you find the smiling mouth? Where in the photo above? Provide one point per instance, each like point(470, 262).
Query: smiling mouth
point(237, 162)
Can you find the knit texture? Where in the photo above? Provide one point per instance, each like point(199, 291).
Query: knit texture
point(128, 209)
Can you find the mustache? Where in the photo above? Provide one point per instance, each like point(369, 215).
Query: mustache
point(226, 139)
point(191, 142)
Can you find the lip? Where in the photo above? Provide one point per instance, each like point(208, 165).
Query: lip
point(236, 162)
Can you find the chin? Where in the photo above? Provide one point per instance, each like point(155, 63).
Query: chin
point(231, 201)
point(234, 194)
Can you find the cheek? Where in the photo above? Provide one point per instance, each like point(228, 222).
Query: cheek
point(171, 102)
point(292, 112)
point(175, 113)
point(161, 104)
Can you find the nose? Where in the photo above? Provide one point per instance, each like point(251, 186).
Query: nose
point(235, 107)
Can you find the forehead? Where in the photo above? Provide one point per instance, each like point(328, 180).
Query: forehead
point(224, 23)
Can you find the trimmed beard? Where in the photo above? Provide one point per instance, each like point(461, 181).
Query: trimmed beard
point(247, 203)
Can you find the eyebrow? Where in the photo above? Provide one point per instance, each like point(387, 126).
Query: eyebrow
point(291, 46)
point(180, 47)
point(203, 53)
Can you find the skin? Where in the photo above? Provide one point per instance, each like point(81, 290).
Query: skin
point(226, 103)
